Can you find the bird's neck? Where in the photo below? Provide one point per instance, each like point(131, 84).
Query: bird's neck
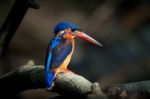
point(73, 44)
point(72, 40)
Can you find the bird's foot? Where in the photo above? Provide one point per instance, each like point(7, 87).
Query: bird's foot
point(51, 87)
point(60, 72)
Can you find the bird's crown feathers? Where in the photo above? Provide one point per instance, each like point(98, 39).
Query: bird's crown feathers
point(64, 25)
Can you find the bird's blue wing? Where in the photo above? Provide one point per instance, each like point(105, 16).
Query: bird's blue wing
point(57, 52)
point(49, 74)
point(60, 53)
point(53, 44)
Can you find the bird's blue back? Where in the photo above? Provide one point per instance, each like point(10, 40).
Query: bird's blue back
point(53, 44)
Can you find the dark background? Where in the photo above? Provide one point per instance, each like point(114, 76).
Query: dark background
point(121, 26)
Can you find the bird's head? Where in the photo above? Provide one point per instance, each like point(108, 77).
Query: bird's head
point(69, 30)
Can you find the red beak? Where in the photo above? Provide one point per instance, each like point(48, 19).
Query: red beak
point(84, 36)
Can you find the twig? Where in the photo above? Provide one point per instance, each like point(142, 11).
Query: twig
point(136, 90)
point(30, 76)
point(13, 20)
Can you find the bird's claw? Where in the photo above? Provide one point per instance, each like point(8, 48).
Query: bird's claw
point(51, 87)
point(64, 71)
point(59, 75)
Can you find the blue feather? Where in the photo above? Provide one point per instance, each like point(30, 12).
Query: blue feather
point(53, 44)
point(64, 25)
point(49, 74)
point(49, 79)
point(57, 52)
point(60, 53)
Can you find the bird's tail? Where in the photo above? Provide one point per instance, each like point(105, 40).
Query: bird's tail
point(49, 79)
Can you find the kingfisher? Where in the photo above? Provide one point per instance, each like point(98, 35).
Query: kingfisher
point(61, 48)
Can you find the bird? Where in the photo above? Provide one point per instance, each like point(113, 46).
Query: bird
point(61, 48)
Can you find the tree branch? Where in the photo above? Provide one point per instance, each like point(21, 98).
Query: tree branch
point(13, 20)
point(30, 76)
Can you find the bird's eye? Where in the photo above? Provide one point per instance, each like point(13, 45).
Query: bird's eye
point(73, 30)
